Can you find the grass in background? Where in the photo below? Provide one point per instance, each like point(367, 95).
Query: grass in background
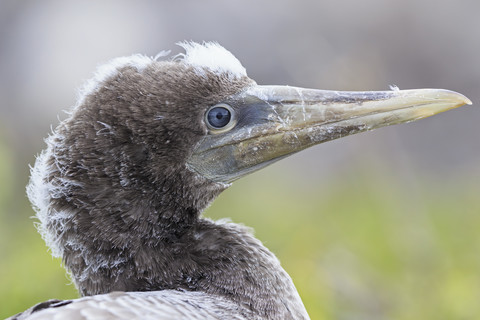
point(362, 246)
point(366, 246)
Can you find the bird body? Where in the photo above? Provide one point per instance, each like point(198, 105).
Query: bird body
point(120, 189)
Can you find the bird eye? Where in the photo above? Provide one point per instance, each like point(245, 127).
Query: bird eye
point(220, 118)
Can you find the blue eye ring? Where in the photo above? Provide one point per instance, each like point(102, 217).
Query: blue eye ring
point(220, 118)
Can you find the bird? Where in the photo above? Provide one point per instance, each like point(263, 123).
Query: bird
point(120, 189)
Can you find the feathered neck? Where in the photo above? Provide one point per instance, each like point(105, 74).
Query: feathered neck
point(117, 202)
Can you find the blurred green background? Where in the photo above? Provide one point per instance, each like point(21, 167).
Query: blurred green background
point(382, 225)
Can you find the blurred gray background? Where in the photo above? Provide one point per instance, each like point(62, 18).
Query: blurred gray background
point(49, 48)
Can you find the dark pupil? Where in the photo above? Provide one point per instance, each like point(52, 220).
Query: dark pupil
point(218, 117)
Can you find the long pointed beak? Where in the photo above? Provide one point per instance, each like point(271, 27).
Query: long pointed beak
point(276, 121)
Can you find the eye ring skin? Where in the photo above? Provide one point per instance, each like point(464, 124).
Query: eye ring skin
point(228, 126)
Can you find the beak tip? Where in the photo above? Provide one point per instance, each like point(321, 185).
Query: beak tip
point(462, 100)
point(456, 99)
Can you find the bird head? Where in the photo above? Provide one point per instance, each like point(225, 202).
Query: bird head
point(201, 112)
point(151, 142)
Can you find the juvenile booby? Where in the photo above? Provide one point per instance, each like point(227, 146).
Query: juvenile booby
point(121, 186)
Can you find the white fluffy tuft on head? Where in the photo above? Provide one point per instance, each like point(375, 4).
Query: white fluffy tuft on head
point(207, 56)
point(213, 57)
